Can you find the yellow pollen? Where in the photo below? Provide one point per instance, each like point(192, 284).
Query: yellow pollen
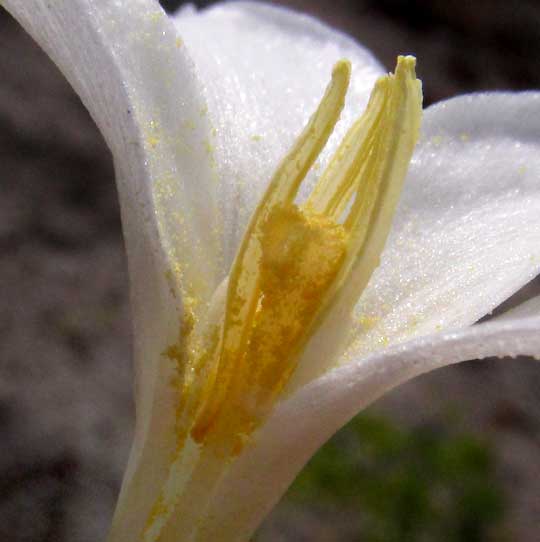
point(300, 257)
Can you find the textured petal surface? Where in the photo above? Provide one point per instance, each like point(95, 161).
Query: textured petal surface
point(305, 421)
point(125, 61)
point(264, 70)
point(467, 232)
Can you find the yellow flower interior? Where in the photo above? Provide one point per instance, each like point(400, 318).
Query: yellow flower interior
point(295, 259)
point(296, 262)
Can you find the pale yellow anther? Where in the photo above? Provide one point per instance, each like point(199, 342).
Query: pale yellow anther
point(367, 171)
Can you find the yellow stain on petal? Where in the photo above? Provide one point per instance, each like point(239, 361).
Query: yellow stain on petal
point(163, 189)
point(152, 134)
point(295, 263)
point(156, 16)
point(152, 141)
point(189, 125)
point(367, 322)
point(209, 148)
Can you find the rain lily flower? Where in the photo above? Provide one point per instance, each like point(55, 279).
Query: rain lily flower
point(278, 287)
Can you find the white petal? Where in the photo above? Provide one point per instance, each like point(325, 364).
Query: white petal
point(264, 70)
point(301, 424)
point(467, 232)
point(123, 59)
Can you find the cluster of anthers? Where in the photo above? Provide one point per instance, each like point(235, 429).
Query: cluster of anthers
point(297, 262)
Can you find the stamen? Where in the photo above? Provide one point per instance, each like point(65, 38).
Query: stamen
point(369, 167)
point(244, 291)
point(294, 261)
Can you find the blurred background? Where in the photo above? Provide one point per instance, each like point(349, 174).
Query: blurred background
point(452, 456)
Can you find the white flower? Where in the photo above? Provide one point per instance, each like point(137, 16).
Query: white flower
point(198, 111)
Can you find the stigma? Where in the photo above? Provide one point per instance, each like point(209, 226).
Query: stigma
point(298, 260)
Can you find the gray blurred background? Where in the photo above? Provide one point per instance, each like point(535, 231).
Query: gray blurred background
point(66, 411)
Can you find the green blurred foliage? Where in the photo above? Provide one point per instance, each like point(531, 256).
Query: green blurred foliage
point(417, 485)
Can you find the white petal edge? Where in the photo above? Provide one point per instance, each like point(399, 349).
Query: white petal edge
point(527, 309)
point(264, 70)
point(466, 235)
point(124, 60)
point(302, 423)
